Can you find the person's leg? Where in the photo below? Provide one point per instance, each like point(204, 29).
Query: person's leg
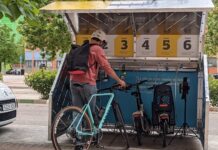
point(77, 99)
point(89, 90)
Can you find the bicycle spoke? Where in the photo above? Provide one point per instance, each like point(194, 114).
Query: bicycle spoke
point(67, 124)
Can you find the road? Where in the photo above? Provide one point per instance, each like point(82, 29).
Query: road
point(29, 132)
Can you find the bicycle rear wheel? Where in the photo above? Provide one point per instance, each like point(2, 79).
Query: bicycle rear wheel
point(165, 126)
point(64, 135)
point(120, 122)
point(138, 129)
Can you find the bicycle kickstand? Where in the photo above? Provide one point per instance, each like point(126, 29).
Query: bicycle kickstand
point(97, 144)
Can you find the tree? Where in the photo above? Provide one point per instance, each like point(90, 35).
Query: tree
point(48, 32)
point(211, 43)
point(9, 53)
point(13, 9)
point(213, 86)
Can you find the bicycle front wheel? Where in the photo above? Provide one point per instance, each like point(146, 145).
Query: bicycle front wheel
point(64, 134)
point(120, 122)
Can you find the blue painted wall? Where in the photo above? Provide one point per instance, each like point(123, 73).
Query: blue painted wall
point(128, 103)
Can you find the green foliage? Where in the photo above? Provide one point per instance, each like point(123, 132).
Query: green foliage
point(47, 32)
point(41, 81)
point(1, 77)
point(15, 8)
point(211, 43)
point(9, 49)
point(213, 87)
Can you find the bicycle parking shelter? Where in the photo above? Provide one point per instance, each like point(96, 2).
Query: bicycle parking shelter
point(158, 40)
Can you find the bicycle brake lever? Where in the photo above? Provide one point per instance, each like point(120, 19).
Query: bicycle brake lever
point(151, 88)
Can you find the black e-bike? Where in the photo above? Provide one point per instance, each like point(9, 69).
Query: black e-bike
point(142, 123)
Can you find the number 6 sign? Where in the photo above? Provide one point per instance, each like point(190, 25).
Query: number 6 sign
point(188, 46)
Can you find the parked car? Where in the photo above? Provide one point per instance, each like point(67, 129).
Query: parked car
point(8, 105)
point(42, 66)
point(14, 71)
point(215, 76)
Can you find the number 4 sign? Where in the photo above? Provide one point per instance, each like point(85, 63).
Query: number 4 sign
point(146, 45)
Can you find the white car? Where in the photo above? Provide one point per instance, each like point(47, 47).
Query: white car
point(8, 105)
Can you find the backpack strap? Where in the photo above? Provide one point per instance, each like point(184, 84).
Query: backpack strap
point(95, 63)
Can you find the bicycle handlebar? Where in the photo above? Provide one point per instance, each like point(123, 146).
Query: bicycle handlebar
point(109, 88)
point(152, 87)
point(130, 85)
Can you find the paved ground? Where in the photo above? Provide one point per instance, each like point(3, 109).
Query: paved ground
point(19, 88)
point(213, 131)
point(29, 132)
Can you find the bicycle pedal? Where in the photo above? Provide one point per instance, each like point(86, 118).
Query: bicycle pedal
point(99, 146)
point(94, 143)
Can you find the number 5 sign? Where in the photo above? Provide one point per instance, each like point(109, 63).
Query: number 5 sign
point(167, 45)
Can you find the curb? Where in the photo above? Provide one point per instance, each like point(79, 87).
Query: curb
point(31, 101)
point(19, 87)
point(213, 109)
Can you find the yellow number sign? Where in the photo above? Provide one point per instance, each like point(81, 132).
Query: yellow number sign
point(81, 38)
point(167, 45)
point(123, 46)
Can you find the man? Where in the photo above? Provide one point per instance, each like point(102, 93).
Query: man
point(84, 85)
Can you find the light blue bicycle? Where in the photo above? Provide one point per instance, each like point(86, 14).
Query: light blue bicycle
point(75, 127)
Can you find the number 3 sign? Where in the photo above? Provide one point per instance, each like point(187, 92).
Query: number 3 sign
point(123, 46)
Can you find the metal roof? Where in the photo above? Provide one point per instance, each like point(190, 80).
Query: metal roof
point(129, 6)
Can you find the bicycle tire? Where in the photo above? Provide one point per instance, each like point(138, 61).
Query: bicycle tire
point(147, 124)
point(121, 126)
point(164, 132)
point(61, 126)
point(138, 129)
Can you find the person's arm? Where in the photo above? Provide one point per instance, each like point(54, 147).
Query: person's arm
point(102, 60)
point(113, 75)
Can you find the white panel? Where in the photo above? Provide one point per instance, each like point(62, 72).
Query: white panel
point(162, 4)
point(130, 6)
point(188, 46)
point(109, 48)
point(146, 45)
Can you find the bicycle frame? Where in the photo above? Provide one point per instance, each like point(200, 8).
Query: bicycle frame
point(86, 109)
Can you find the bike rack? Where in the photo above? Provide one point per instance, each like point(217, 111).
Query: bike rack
point(147, 26)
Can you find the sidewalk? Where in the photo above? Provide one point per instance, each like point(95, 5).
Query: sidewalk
point(22, 92)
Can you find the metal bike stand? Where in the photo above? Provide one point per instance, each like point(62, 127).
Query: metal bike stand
point(185, 126)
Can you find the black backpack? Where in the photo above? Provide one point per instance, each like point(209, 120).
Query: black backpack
point(77, 58)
